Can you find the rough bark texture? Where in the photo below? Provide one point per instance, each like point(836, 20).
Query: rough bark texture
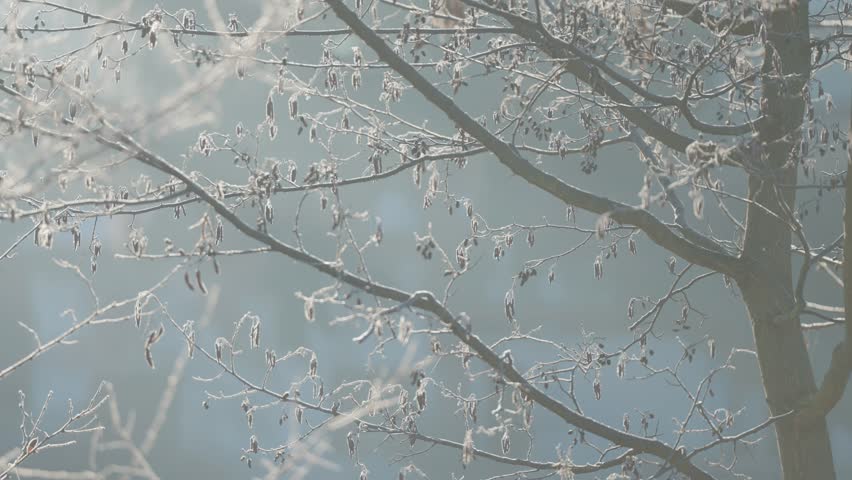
point(788, 378)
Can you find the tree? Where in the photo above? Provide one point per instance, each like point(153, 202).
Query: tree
point(670, 99)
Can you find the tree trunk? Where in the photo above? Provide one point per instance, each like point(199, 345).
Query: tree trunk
point(785, 366)
point(788, 379)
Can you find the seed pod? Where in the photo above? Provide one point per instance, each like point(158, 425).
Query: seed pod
point(416, 175)
point(268, 211)
point(270, 109)
point(220, 231)
point(200, 282)
point(254, 333)
point(509, 305)
point(436, 345)
point(312, 369)
point(309, 309)
point(350, 442)
point(188, 20)
point(141, 298)
point(506, 442)
point(220, 343)
point(421, 397)
point(471, 406)
point(294, 106)
point(467, 448)
point(76, 236)
point(149, 357)
point(601, 226)
point(403, 400)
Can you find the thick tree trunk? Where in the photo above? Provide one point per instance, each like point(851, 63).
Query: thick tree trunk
point(788, 379)
point(785, 366)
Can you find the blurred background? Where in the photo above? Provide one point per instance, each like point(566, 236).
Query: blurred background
point(207, 443)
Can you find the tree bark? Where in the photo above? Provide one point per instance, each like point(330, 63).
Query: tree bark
point(788, 379)
point(768, 291)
